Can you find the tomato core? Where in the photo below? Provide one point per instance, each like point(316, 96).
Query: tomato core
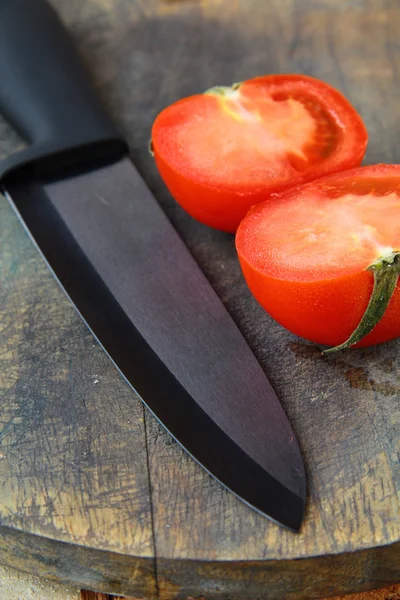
point(244, 136)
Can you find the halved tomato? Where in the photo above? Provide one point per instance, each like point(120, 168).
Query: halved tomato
point(223, 151)
point(324, 259)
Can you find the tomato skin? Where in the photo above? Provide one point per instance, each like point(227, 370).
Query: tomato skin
point(217, 208)
point(324, 312)
point(222, 204)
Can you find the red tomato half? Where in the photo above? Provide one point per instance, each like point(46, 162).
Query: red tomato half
point(223, 151)
point(305, 256)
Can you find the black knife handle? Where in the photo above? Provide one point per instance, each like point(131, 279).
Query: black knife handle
point(46, 96)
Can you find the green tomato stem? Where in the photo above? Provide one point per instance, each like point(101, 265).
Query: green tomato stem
point(150, 148)
point(386, 271)
point(223, 90)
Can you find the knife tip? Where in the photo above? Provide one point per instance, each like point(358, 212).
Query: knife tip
point(292, 515)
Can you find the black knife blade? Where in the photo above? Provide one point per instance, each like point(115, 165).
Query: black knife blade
point(130, 276)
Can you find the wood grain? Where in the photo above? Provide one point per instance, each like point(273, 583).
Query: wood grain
point(89, 595)
point(390, 593)
point(185, 534)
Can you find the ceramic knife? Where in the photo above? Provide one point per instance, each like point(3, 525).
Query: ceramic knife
point(130, 276)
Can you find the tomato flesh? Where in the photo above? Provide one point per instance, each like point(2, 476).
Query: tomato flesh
point(223, 151)
point(258, 138)
point(305, 256)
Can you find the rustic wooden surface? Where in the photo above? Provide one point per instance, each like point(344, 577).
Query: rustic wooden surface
point(16, 585)
point(93, 491)
point(390, 593)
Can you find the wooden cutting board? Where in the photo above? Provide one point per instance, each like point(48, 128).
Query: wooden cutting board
point(92, 490)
